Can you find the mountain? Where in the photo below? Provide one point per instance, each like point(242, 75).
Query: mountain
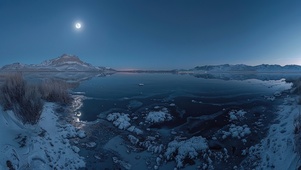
point(263, 68)
point(62, 63)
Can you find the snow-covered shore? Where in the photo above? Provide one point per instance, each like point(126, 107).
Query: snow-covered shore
point(277, 150)
point(41, 146)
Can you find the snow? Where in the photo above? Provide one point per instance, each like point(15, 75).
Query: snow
point(121, 120)
point(237, 131)
point(263, 68)
point(236, 114)
point(135, 130)
point(91, 145)
point(158, 116)
point(152, 145)
point(81, 134)
point(188, 148)
point(122, 163)
point(277, 150)
point(41, 146)
point(133, 139)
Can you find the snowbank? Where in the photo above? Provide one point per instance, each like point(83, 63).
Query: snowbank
point(41, 146)
point(277, 150)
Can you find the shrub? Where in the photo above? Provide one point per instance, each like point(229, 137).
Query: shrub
point(23, 99)
point(27, 100)
point(55, 91)
point(30, 108)
point(12, 90)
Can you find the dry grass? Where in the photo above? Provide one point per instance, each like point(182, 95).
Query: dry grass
point(55, 91)
point(27, 101)
point(23, 99)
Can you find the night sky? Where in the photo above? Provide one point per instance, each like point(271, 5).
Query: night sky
point(152, 34)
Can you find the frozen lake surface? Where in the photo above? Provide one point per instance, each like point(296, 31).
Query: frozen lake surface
point(163, 121)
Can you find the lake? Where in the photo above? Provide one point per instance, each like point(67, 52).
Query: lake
point(232, 114)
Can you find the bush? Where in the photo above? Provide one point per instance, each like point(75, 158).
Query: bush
point(55, 91)
point(23, 99)
point(27, 100)
point(12, 90)
point(30, 108)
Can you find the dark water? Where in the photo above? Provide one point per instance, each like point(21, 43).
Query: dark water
point(194, 96)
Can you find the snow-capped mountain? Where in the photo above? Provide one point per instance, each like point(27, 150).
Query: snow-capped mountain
point(245, 68)
point(62, 63)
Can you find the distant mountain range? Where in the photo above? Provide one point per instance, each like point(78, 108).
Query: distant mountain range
point(72, 63)
point(239, 68)
point(62, 63)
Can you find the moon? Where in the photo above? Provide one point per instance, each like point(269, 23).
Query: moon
point(78, 25)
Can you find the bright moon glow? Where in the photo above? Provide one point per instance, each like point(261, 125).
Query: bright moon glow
point(78, 25)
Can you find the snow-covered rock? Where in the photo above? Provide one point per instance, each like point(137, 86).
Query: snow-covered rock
point(135, 130)
point(189, 148)
point(237, 131)
point(155, 148)
point(81, 134)
point(158, 116)
point(121, 120)
point(133, 139)
point(236, 114)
